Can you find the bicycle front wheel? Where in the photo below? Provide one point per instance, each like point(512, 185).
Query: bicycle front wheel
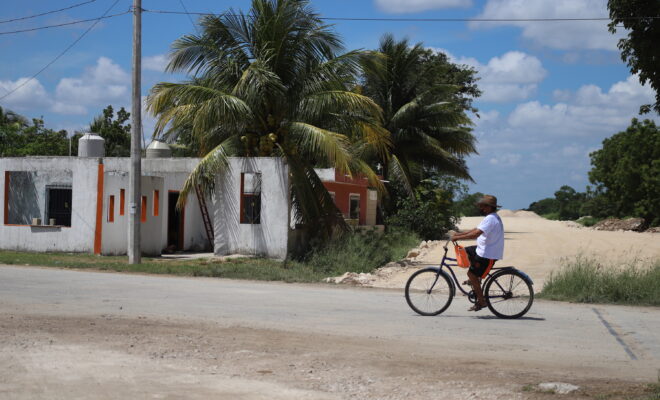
point(509, 294)
point(429, 291)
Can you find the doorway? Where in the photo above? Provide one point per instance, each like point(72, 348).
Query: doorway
point(175, 219)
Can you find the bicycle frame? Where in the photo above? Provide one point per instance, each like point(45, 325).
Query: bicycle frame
point(446, 265)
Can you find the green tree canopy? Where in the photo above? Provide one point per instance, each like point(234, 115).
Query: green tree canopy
point(18, 138)
point(271, 82)
point(626, 171)
point(569, 202)
point(116, 132)
point(424, 99)
point(640, 48)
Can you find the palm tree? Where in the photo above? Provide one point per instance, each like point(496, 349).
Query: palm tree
point(423, 113)
point(11, 118)
point(270, 82)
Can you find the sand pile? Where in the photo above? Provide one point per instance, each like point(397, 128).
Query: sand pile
point(518, 214)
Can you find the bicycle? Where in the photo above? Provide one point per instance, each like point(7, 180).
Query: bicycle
point(507, 290)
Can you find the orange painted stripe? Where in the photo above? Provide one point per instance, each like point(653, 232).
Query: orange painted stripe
point(99, 210)
point(6, 219)
point(156, 203)
point(122, 201)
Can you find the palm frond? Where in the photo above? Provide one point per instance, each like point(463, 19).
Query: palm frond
point(317, 143)
point(204, 174)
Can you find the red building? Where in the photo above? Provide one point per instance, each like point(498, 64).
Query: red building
point(353, 196)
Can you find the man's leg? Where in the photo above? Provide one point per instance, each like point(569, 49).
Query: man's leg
point(475, 281)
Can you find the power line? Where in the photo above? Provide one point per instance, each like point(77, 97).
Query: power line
point(62, 53)
point(47, 12)
point(189, 16)
point(424, 19)
point(186, 12)
point(64, 24)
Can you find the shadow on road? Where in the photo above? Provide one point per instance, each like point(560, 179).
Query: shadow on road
point(521, 318)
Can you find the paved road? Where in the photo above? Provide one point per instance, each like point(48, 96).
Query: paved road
point(615, 341)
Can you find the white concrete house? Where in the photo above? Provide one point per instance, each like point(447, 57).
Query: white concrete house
point(80, 204)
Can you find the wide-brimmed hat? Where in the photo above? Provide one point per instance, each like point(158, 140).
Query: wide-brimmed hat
point(489, 201)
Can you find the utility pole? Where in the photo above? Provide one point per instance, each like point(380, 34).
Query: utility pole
point(134, 188)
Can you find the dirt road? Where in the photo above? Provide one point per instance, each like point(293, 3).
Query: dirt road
point(538, 246)
point(72, 335)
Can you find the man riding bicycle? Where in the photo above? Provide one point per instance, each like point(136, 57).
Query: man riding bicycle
point(489, 248)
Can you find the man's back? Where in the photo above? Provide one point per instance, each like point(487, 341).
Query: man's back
point(490, 244)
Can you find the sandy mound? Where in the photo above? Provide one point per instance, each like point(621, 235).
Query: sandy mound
point(518, 214)
point(532, 243)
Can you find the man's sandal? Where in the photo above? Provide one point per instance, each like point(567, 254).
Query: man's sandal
point(477, 307)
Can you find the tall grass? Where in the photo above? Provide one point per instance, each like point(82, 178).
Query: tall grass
point(587, 281)
point(361, 252)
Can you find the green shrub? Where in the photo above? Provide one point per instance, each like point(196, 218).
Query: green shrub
point(361, 252)
point(588, 221)
point(553, 216)
point(585, 280)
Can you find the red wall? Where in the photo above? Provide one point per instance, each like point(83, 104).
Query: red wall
point(343, 187)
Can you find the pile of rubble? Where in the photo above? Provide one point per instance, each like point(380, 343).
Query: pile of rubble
point(628, 224)
point(411, 261)
point(422, 250)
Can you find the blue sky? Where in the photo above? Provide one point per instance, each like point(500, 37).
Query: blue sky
point(552, 90)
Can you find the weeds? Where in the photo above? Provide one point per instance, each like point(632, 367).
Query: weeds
point(588, 221)
point(361, 252)
point(585, 280)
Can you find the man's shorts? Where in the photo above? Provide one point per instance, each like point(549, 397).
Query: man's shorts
point(478, 265)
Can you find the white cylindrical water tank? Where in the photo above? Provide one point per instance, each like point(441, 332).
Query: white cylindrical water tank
point(91, 145)
point(158, 149)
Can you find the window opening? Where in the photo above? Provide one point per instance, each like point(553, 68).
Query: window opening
point(250, 198)
point(156, 203)
point(122, 201)
point(59, 205)
point(111, 209)
point(354, 206)
point(143, 211)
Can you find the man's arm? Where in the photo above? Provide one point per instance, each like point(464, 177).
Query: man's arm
point(473, 234)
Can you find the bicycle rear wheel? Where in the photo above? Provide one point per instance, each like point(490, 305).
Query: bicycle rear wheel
point(429, 291)
point(509, 294)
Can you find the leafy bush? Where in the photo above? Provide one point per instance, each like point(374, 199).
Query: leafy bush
point(553, 216)
point(466, 206)
point(588, 221)
point(361, 252)
point(587, 281)
point(545, 206)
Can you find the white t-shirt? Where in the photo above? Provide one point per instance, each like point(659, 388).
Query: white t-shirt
point(490, 244)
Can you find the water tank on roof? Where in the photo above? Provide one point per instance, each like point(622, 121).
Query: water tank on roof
point(158, 149)
point(91, 145)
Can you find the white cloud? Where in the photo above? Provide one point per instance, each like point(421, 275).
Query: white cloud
point(513, 76)
point(411, 6)
point(105, 83)
point(31, 94)
point(572, 150)
point(506, 159)
point(589, 111)
point(155, 63)
point(538, 147)
point(563, 35)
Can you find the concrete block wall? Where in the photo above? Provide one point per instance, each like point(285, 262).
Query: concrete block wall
point(44, 171)
point(174, 172)
point(115, 225)
point(268, 238)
